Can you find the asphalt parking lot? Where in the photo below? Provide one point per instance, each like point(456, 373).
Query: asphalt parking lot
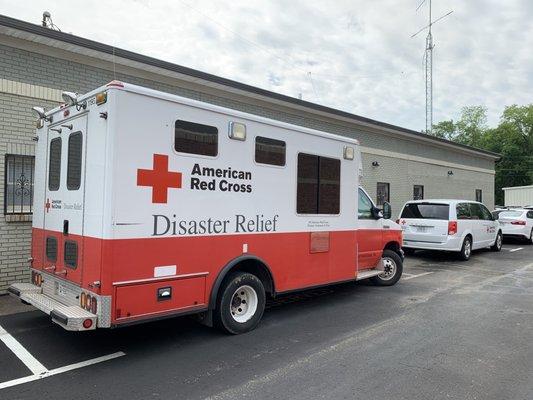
point(447, 330)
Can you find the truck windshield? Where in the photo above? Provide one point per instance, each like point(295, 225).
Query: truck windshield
point(426, 211)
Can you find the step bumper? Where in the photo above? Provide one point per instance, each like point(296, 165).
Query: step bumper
point(71, 318)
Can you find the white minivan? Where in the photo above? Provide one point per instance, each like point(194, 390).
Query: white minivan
point(450, 225)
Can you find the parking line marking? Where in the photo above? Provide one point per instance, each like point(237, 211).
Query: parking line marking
point(416, 276)
point(518, 248)
point(39, 371)
point(24, 355)
point(60, 370)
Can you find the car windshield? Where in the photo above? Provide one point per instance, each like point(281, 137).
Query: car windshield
point(510, 214)
point(426, 211)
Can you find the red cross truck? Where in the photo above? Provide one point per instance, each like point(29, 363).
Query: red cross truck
point(150, 205)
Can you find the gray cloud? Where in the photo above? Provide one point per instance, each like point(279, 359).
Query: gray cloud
point(359, 53)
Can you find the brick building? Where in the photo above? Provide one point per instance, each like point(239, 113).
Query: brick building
point(37, 64)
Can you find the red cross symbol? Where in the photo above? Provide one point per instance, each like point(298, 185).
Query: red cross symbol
point(47, 205)
point(160, 178)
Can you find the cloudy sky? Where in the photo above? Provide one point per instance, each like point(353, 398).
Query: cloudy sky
point(355, 55)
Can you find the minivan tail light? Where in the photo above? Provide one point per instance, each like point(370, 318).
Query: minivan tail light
point(518, 222)
point(452, 227)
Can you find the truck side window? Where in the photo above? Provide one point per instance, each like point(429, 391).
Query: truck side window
point(318, 190)
point(54, 167)
point(364, 207)
point(193, 138)
point(269, 151)
point(75, 143)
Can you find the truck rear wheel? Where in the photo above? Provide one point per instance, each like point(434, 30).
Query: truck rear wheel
point(393, 265)
point(241, 303)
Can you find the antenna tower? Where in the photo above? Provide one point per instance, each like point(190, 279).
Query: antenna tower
point(428, 59)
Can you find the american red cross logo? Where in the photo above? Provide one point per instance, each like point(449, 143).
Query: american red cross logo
point(160, 178)
point(47, 205)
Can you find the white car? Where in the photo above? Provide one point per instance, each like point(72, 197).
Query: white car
point(517, 223)
point(449, 225)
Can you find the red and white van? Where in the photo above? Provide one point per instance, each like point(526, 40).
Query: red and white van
point(149, 205)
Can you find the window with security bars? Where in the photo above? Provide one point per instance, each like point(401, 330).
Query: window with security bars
point(18, 184)
point(383, 193)
point(51, 248)
point(71, 254)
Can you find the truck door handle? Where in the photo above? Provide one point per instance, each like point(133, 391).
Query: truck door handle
point(65, 227)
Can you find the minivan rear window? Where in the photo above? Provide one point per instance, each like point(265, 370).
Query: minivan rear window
point(511, 214)
point(426, 211)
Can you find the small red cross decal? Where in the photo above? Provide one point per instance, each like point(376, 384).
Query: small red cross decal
point(160, 178)
point(47, 205)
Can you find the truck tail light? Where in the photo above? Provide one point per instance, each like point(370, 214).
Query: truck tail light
point(94, 306)
point(452, 227)
point(36, 279)
point(87, 323)
point(89, 301)
point(518, 222)
point(83, 300)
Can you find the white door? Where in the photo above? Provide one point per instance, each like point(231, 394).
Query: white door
point(63, 215)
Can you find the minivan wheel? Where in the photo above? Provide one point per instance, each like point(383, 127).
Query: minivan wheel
point(393, 269)
point(497, 246)
point(466, 249)
point(241, 303)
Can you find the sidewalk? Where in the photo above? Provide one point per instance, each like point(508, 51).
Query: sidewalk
point(10, 305)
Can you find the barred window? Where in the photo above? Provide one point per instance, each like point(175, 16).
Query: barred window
point(51, 248)
point(71, 254)
point(18, 184)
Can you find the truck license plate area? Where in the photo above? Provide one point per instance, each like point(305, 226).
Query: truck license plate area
point(61, 290)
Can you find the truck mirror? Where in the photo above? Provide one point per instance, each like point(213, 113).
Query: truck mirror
point(387, 210)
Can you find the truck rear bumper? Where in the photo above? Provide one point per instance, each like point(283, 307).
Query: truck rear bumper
point(71, 318)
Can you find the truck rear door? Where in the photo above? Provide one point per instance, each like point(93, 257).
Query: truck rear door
point(64, 207)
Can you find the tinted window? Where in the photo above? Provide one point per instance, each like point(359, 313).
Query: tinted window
point(426, 211)
point(269, 151)
point(193, 138)
point(71, 254)
point(530, 214)
point(307, 190)
point(487, 216)
point(318, 190)
point(364, 206)
point(463, 211)
point(476, 211)
point(51, 249)
point(383, 193)
point(75, 144)
point(54, 168)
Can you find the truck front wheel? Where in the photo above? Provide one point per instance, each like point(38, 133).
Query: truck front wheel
point(241, 303)
point(393, 269)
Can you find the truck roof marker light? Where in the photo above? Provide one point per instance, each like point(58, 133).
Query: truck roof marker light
point(115, 84)
point(237, 131)
point(101, 98)
point(349, 153)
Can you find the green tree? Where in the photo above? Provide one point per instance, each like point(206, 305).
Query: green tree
point(512, 138)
